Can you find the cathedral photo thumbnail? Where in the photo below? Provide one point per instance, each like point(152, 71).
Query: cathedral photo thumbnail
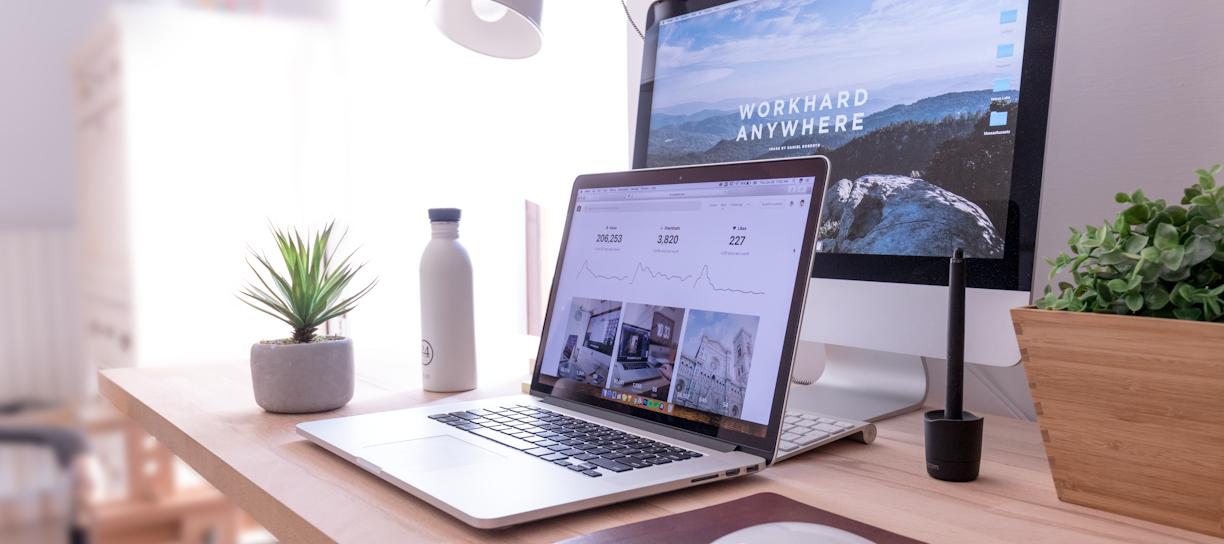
point(715, 362)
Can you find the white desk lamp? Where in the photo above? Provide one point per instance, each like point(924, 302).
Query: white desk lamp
point(508, 29)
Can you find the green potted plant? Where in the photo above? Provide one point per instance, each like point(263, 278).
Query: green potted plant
point(1126, 361)
point(305, 372)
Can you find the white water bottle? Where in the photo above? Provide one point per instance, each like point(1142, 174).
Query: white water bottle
point(448, 332)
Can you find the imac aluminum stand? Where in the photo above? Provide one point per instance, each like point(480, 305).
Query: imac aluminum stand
point(860, 384)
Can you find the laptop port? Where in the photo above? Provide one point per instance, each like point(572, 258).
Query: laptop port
point(704, 478)
point(753, 468)
point(731, 473)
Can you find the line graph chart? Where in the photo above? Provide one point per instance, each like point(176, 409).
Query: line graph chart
point(679, 278)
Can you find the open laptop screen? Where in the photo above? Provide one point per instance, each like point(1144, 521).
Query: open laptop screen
point(680, 292)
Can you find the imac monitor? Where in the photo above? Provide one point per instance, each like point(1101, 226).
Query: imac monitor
point(634, 342)
point(661, 330)
point(602, 330)
point(932, 114)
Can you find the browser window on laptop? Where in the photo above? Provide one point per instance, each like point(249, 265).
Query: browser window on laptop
point(675, 298)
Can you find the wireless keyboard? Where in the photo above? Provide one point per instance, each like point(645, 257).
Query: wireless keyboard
point(803, 430)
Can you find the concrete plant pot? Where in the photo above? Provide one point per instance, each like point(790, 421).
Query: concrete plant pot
point(303, 378)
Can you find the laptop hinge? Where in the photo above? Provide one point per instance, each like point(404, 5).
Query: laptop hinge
point(700, 440)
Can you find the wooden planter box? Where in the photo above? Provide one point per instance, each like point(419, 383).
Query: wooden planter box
point(1131, 410)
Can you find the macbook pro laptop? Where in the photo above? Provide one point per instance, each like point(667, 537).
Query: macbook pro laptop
point(715, 261)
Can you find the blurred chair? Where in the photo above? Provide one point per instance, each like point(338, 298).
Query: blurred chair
point(153, 507)
point(49, 494)
point(41, 505)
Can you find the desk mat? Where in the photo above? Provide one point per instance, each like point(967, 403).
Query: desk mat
point(706, 525)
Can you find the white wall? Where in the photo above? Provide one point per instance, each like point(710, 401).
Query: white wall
point(426, 124)
point(37, 142)
point(41, 355)
point(431, 124)
point(1135, 103)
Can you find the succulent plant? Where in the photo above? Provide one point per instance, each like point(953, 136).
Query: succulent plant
point(1153, 260)
point(310, 293)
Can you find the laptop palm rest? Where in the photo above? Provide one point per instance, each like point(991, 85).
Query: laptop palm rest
point(430, 454)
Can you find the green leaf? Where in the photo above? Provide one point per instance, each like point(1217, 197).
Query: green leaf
point(1075, 305)
point(1178, 214)
point(1159, 219)
point(1134, 282)
point(307, 294)
point(1137, 197)
point(1074, 240)
point(1185, 291)
point(1207, 231)
point(1202, 200)
point(1157, 298)
point(1166, 237)
point(1212, 305)
point(1150, 254)
point(1134, 301)
point(1117, 286)
point(1137, 214)
point(1176, 298)
point(1168, 274)
point(1136, 243)
point(1198, 249)
point(1122, 198)
point(1209, 212)
point(1188, 314)
point(1207, 179)
point(1172, 258)
point(1111, 258)
point(1109, 243)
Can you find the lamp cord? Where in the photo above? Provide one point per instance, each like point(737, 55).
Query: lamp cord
point(630, 17)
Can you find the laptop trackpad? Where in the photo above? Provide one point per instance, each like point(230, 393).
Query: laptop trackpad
point(429, 454)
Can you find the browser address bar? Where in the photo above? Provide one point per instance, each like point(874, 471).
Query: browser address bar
point(692, 193)
point(643, 206)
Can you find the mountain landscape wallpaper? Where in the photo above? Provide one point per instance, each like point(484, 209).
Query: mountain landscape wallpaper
point(914, 103)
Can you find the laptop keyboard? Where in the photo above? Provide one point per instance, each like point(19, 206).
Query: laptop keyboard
point(569, 442)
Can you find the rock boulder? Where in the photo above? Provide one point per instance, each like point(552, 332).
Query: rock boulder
point(898, 215)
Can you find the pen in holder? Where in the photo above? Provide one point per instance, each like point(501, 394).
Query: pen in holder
point(954, 436)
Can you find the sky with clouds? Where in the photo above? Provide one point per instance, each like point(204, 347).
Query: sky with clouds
point(771, 48)
point(718, 326)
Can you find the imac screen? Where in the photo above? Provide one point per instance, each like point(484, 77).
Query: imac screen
point(914, 103)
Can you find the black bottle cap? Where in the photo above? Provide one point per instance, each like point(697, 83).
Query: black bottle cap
point(444, 214)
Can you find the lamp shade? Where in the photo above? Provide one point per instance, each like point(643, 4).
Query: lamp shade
point(508, 29)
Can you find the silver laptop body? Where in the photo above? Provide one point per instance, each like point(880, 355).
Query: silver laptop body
point(712, 411)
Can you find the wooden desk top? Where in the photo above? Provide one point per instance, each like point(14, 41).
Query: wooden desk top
point(301, 493)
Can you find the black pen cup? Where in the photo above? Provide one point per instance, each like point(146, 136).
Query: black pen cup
point(953, 446)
